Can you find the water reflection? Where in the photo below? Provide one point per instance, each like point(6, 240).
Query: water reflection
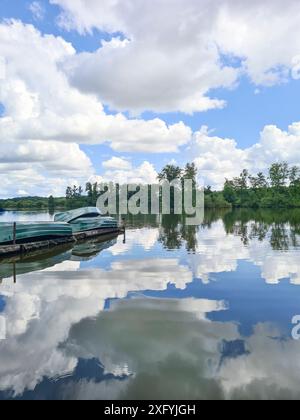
point(175, 233)
point(176, 312)
point(282, 228)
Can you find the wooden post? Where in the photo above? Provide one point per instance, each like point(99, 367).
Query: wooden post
point(124, 229)
point(15, 233)
point(15, 273)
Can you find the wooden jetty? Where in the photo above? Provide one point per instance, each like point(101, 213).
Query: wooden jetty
point(21, 249)
point(69, 227)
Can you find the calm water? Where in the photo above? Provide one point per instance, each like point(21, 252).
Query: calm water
point(173, 312)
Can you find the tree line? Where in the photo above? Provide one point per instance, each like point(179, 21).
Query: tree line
point(279, 188)
point(93, 190)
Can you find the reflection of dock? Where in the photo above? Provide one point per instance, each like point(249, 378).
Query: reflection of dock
point(34, 261)
point(42, 259)
point(21, 249)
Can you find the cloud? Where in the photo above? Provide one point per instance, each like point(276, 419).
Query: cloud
point(174, 52)
point(218, 158)
point(117, 163)
point(41, 105)
point(143, 174)
point(44, 117)
point(37, 10)
point(40, 314)
point(160, 363)
point(59, 311)
point(218, 252)
point(42, 167)
point(169, 57)
point(143, 237)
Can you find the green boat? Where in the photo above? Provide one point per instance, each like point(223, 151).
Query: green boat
point(33, 232)
point(86, 219)
point(73, 215)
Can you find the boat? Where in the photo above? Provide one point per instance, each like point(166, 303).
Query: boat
point(33, 232)
point(73, 215)
point(65, 225)
point(86, 219)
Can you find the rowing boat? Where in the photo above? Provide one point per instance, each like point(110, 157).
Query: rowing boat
point(65, 225)
point(33, 232)
point(86, 219)
point(73, 215)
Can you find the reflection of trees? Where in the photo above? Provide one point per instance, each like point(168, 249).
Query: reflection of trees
point(281, 228)
point(211, 216)
point(189, 234)
point(140, 221)
point(170, 232)
point(280, 237)
point(174, 233)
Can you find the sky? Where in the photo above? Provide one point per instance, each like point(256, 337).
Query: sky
point(113, 90)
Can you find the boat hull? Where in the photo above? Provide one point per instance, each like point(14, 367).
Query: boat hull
point(73, 215)
point(33, 232)
point(94, 223)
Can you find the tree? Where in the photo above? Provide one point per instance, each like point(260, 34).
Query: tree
point(69, 193)
point(190, 172)
point(51, 202)
point(208, 190)
point(92, 192)
point(74, 191)
point(279, 174)
point(262, 181)
point(95, 192)
point(294, 176)
point(170, 173)
point(241, 182)
point(230, 192)
point(258, 182)
point(89, 190)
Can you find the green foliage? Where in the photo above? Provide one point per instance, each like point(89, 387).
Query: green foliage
point(170, 173)
point(29, 203)
point(51, 203)
point(280, 190)
point(216, 200)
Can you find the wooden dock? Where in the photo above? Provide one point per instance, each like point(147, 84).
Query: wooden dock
point(21, 249)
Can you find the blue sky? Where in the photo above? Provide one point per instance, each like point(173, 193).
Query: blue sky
point(252, 101)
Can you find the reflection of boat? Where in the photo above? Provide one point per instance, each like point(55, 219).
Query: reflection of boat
point(42, 260)
point(86, 219)
point(37, 261)
point(33, 232)
point(88, 250)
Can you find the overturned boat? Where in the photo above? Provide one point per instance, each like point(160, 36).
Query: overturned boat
point(86, 219)
point(70, 226)
point(24, 232)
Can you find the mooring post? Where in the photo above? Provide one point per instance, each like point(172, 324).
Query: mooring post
point(15, 273)
point(15, 233)
point(124, 229)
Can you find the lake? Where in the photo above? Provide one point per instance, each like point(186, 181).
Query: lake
point(167, 312)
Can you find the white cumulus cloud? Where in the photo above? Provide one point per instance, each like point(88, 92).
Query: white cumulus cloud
point(218, 158)
point(176, 51)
